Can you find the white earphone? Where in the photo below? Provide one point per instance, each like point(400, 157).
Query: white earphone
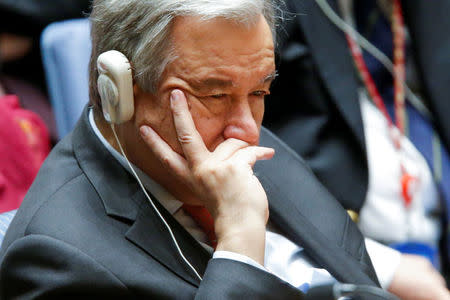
point(115, 86)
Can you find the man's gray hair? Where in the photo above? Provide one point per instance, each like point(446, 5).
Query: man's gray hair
point(141, 29)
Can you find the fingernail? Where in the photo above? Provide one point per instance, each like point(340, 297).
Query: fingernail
point(145, 130)
point(175, 95)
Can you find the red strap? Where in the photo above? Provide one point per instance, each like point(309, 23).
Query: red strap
point(203, 219)
point(398, 30)
point(399, 69)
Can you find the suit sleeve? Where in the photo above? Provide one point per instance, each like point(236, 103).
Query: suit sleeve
point(40, 267)
point(229, 279)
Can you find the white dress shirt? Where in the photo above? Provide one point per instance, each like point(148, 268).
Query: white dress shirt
point(283, 258)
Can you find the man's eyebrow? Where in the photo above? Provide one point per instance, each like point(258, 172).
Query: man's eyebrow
point(211, 83)
point(270, 77)
point(214, 82)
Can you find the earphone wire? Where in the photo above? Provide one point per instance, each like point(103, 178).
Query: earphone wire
point(374, 51)
point(154, 206)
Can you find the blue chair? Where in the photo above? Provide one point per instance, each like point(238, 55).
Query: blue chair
point(66, 50)
point(5, 220)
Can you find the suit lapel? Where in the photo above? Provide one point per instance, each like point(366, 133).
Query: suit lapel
point(332, 58)
point(311, 217)
point(123, 199)
point(429, 24)
point(150, 234)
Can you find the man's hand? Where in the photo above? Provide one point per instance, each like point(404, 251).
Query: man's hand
point(416, 279)
point(223, 180)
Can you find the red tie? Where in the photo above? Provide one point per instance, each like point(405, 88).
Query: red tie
point(203, 219)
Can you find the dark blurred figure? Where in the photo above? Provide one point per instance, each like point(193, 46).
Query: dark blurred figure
point(23, 21)
point(21, 70)
point(13, 48)
point(321, 106)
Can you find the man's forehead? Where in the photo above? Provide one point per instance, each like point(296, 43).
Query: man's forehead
point(222, 54)
point(219, 36)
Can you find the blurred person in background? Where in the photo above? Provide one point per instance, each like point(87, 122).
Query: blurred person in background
point(379, 146)
point(21, 24)
point(21, 71)
point(24, 144)
point(27, 123)
point(14, 48)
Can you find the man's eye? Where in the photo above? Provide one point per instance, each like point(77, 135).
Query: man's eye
point(218, 96)
point(260, 93)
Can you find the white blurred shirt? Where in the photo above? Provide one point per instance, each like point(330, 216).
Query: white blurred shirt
point(383, 216)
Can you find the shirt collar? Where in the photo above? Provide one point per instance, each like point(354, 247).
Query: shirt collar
point(170, 203)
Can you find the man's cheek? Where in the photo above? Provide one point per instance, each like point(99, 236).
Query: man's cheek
point(258, 111)
point(211, 130)
point(156, 120)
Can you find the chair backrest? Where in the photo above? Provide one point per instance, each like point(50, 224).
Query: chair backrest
point(5, 220)
point(66, 49)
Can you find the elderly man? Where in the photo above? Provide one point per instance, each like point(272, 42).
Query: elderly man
point(95, 225)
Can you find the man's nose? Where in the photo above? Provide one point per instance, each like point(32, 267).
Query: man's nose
point(241, 123)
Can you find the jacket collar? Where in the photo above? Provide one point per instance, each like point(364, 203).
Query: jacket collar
point(123, 199)
point(112, 183)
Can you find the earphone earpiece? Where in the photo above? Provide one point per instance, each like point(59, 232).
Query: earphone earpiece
point(110, 96)
point(115, 87)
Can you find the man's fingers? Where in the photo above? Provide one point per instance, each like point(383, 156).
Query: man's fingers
point(227, 148)
point(252, 154)
point(170, 159)
point(191, 142)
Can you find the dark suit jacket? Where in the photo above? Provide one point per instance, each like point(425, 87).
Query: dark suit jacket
point(314, 106)
point(85, 229)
